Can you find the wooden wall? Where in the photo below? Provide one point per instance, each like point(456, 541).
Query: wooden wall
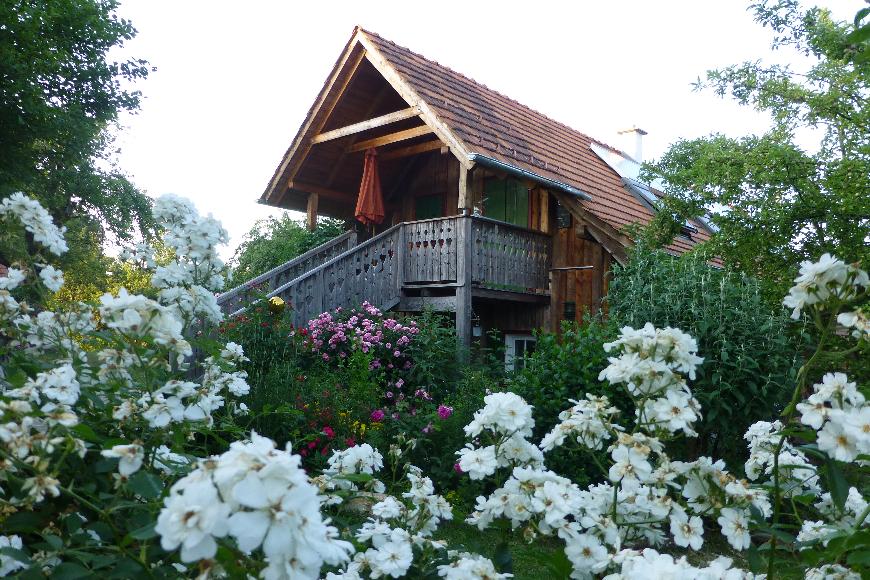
point(573, 246)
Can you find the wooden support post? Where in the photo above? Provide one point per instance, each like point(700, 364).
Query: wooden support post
point(465, 203)
point(545, 210)
point(463, 290)
point(312, 211)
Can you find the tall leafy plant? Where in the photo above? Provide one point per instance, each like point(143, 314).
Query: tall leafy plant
point(750, 352)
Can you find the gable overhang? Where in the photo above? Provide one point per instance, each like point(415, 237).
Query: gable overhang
point(359, 49)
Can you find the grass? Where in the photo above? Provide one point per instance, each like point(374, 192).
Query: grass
point(526, 557)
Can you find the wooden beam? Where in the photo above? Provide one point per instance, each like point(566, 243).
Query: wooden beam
point(366, 125)
point(321, 191)
point(464, 190)
point(312, 211)
point(326, 102)
point(370, 110)
point(391, 138)
point(544, 202)
point(380, 63)
point(410, 150)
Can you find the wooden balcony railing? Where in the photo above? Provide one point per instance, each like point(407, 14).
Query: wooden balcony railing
point(450, 251)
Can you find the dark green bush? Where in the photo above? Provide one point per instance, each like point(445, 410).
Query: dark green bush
point(750, 358)
point(562, 368)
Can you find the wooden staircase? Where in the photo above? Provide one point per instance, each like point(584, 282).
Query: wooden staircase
point(439, 263)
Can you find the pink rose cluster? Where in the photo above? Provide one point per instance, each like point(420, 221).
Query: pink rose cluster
point(337, 334)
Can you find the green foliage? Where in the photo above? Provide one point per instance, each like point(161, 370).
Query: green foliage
point(58, 97)
point(775, 202)
point(749, 356)
point(566, 367)
point(273, 241)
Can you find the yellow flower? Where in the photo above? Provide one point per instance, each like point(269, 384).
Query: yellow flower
point(276, 305)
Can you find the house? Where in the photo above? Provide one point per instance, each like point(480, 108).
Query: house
point(493, 210)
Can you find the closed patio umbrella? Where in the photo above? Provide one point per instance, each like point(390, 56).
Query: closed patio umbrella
point(370, 203)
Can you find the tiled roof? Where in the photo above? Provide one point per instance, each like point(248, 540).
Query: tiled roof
point(491, 124)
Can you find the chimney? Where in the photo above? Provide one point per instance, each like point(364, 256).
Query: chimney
point(637, 135)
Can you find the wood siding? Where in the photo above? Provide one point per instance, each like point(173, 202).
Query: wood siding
point(573, 246)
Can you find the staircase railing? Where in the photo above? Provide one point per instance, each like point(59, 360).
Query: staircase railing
point(235, 300)
point(370, 271)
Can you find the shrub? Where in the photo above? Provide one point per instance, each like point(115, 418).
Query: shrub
point(273, 241)
point(750, 352)
point(563, 367)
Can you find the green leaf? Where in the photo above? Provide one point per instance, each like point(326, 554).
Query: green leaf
point(859, 559)
point(754, 558)
point(70, 571)
point(145, 532)
point(15, 554)
point(24, 522)
point(503, 559)
point(837, 484)
point(85, 432)
point(54, 541)
point(145, 484)
point(356, 477)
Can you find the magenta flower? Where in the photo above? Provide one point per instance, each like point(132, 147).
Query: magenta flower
point(444, 411)
point(377, 416)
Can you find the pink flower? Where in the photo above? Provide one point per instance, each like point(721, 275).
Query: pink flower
point(325, 356)
point(456, 468)
point(444, 411)
point(399, 383)
point(396, 415)
point(327, 430)
point(427, 429)
point(389, 394)
point(377, 416)
point(397, 353)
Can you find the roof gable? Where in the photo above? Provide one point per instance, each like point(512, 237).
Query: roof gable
point(474, 120)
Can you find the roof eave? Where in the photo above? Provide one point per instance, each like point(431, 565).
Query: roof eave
point(485, 161)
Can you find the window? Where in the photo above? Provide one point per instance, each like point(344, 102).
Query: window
point(517, 347)
point(427, 207)
point(506, 200)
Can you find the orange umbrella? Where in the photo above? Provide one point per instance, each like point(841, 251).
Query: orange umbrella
point(370, 203)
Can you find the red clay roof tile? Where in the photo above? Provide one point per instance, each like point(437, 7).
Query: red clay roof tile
point(491, 124)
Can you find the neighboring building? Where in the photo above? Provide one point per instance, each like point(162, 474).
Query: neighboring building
point(493, 210)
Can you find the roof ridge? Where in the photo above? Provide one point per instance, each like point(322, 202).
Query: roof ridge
point(480, 84)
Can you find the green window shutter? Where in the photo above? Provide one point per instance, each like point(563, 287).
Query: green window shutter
point(495, 199)
point(519, 214)
point(507, 201)
point(427, 207)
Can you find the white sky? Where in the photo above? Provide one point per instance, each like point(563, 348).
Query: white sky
point(235, 79)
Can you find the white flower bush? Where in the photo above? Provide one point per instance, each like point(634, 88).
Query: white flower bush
point(651, 499)
point(100, 407)
point(119, 450)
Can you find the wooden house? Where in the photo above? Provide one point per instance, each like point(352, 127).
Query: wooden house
point(493, 210)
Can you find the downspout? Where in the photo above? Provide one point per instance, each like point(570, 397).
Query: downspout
point(513, 170)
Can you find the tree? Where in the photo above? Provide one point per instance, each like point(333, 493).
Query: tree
point(774, 202)
point(273, 241)
point(59, 97)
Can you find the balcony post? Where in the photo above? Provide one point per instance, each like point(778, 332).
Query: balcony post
point(464, 249)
